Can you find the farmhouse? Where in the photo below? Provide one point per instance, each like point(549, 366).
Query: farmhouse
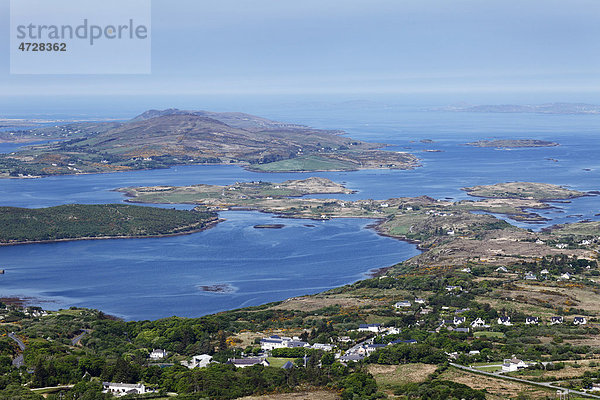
point(504, 321)
point(158, 354)
point(200, 361)
point(247, 362)
point(556, 320)
point(123, 389)
point(478, 323)
point(369, 328)
point(579, 321)
point(532, 320)
point(513, 364)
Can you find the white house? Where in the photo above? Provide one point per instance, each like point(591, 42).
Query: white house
point(504, 321)
point(566, 276)
point(391, 330)
point(513, 364)
point(158, 354)
point(453, 288)
point(280, 342)
point(403, 304)
point(532, 320)
point(579, 321)
point(478, 323)
point(459, 320)
point(248, 362)
point(122, 389)
point(556, 320)
point(321, 346)
point(467, 270)
point(200, 361)
point(544, 272)
point(369, 328)
point(501, 269)
point(420, 301)
point(530, 276)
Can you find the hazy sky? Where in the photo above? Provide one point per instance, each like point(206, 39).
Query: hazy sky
point(351, 47)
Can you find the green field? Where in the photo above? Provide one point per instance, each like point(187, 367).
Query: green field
point(494, 335)
point(278, 362)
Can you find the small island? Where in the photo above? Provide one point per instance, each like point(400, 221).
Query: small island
point(240, 193)
point(524, 191)
point(512, 143)
point(97, 221)
point(450, 233)
point(269, 226)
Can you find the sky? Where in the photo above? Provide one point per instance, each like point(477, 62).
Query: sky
point(547, 50)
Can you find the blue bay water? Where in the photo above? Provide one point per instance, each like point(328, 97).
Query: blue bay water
point(153, 278)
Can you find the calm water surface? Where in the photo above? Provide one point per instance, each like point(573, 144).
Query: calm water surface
point(153, 278)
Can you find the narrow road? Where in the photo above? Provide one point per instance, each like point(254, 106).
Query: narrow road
point(75, 341)
point(511, 378)
point(19, 361)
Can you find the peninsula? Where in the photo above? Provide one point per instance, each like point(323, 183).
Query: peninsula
point(103, 221)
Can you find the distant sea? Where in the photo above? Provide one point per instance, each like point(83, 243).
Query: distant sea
point(154, 278)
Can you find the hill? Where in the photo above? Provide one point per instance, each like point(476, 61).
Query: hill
point(159, 139)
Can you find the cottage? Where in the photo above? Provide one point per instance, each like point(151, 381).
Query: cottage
point(532, 320)
point(474, 353)
point(566, 276)
point(501, 269)
point(556, 320)
point(369, 328)
point(158, 354)
point(123, 389)
point(351, 357)
point(459, 320)
point(530, 276)
point(579, 321)
point(279, 342)
point(513, 364)
point(200, 361)
point(504, 321)
point(247, 362)
point(420, 301)
point(321, 346)
point(544, 272)
point(453, 288)
point(403, 304)
point(478, 323)
point(288, 365)
point(467, 270)
point(371, 348)
point(391, 330)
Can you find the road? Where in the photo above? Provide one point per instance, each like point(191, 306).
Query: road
point(19, 361)
point(511, 378)
point(75, 341)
